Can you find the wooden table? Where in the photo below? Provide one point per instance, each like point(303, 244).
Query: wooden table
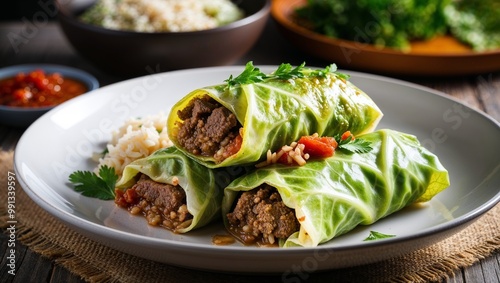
point(48, 45)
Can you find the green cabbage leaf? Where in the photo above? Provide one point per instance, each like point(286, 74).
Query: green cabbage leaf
point(203, 187)
point(275, 111)
point(334, 195)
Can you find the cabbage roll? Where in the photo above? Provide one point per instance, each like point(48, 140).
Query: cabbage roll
point(173, 191)
point(314, 203)
point(236, 122)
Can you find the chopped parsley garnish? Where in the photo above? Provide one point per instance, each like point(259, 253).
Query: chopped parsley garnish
point(285, 71)
point(374, 235)
point(100, 186)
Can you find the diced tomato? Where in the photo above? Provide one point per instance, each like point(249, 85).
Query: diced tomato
point(130, 196)
point(318, 147)
point(124, 199)
point(234, 146)
point(119, 199)
point(284, 159)
point(346, 135)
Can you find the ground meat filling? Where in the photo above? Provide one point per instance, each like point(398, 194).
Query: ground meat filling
point(208, 129)
point(260, 217)
point(161, 204)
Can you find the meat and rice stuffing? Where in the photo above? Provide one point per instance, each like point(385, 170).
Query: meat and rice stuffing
point(209, 129)
point(162, 204)
point(260, 217)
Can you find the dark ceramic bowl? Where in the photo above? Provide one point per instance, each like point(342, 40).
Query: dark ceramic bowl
point(24, 116)
point(138, 53)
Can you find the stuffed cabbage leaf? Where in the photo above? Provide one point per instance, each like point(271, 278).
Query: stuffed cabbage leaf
point(170, 181)
point(236, 123)
point(331, 196)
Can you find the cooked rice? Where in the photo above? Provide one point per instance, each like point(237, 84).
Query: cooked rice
point(162, 15)
point(295, 154)
point(136, 138)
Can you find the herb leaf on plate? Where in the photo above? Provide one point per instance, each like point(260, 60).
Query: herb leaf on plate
point(100, 186)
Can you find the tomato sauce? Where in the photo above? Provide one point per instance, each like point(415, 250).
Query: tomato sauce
point(234, 146)
point(38, 89)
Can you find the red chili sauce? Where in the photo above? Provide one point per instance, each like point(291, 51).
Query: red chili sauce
point(38, 89)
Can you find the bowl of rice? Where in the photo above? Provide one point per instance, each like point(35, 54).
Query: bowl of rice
point(139, 37)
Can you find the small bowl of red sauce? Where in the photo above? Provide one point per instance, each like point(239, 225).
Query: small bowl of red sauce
point(29, 91)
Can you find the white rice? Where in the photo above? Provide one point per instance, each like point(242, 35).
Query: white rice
point(136, 138)
point(163, 15)
point(295, 155)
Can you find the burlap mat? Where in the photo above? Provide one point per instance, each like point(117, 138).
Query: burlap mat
point(96, 263)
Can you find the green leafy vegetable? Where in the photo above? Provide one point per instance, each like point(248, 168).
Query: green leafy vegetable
point(356, 146)
point(251, 74)
point(203, 187)
point(285, 71)
point(395, 23)
point(374, 235)
point(392, 23)
point(279, 108)
point(352, 144)
point(329, 69)
point(332, 196)
point(475, 22)
point(90, 184)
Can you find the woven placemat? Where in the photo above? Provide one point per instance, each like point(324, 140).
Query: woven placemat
point(97, 263)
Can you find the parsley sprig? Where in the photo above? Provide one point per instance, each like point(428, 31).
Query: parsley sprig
point(250, 75)
point(100, 186)
point(285, 71)
point(354, 145)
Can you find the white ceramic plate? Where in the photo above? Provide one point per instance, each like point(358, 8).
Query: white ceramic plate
point(62, 141)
